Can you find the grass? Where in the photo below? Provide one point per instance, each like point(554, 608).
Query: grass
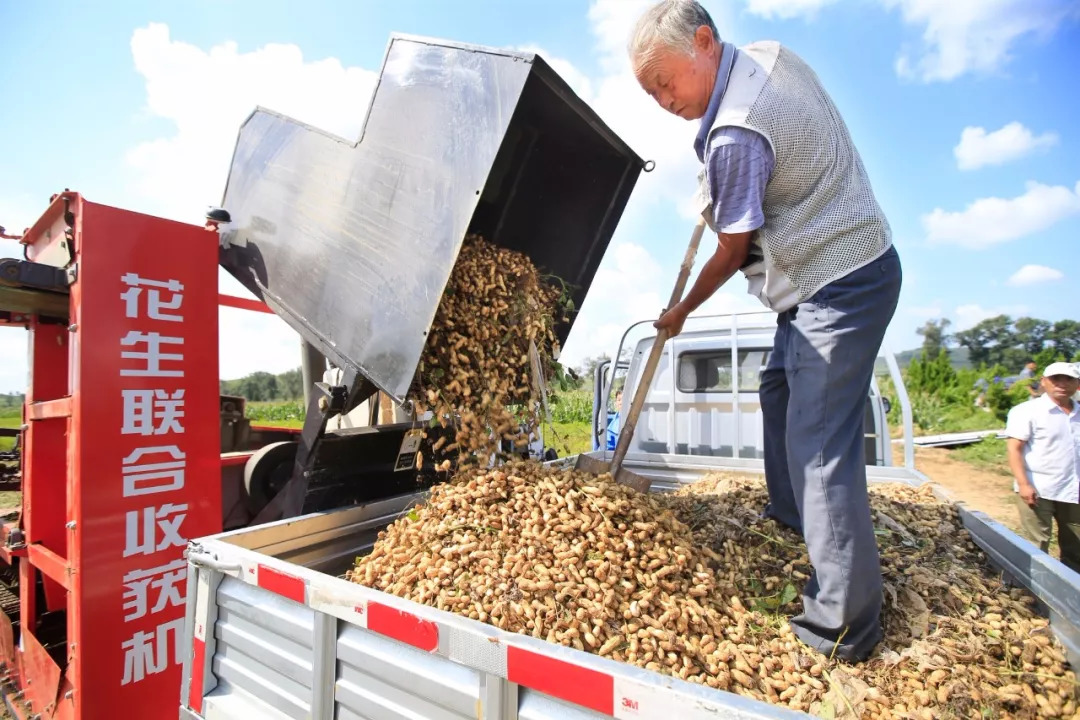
point(572, 406)
point(571, 414)
point(568, 438)
point(288, 414)
point(9, 421)
point(11, 418)
point(934, 414)
point(988, 454)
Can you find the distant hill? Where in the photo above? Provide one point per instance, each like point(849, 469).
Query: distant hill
point(958, 356)
point(264, 386)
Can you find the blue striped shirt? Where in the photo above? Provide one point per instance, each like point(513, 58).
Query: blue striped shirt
point(738, 163)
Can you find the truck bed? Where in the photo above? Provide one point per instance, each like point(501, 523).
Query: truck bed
point(275, 631)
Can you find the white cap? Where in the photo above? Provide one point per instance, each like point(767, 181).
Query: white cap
point(1061, 368)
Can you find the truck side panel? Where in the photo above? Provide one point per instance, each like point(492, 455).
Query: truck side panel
point(314, 645)
point(330, 648)
point(264, 650)
point(378, 677)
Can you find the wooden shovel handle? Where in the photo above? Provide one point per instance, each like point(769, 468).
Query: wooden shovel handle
point(626, 432)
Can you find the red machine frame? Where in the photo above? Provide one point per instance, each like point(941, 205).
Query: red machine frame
point(121, 463)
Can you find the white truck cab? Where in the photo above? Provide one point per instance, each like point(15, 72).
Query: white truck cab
point(703, 399)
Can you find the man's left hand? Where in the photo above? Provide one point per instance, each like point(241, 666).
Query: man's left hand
point(672, 320)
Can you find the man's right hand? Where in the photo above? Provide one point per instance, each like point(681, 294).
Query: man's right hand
point(672, 320)
point(1028, 494)
point(1019, 471)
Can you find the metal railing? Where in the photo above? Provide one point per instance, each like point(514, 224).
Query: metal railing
point(734, 327)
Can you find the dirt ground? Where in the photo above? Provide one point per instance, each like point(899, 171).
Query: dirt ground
point(979, 489)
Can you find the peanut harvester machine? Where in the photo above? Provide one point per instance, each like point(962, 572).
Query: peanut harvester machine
point(128, 447)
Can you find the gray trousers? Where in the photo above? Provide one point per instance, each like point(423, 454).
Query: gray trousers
point(1037, 523)
point(813, 400)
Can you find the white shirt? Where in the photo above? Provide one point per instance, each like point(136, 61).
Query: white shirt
point(1051, 439)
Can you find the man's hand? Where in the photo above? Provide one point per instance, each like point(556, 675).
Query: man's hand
point(1019, 471)
point(731, 251)
point(672, 320)
point(1028, 494)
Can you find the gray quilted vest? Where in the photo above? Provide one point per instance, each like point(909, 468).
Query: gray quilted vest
point(821, 218)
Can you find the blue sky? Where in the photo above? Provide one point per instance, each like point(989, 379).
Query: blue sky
point(965, 112)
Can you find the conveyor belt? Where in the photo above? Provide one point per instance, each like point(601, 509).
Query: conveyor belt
point(9, 603)
point(27, 288)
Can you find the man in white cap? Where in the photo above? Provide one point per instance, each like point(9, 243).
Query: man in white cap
point(1044, 456)
point(785, 190)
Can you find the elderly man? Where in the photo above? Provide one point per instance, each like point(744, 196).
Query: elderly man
point(786, 192)
point(1044, 456)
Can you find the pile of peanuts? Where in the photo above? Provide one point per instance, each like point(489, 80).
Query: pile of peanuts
point(697, 585)
point(958, 641)
point(476, 372)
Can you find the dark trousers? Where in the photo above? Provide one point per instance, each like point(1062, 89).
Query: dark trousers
point(1037, 524)
point(813, 401)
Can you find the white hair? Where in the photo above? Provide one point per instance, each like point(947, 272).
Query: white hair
point(671, 24)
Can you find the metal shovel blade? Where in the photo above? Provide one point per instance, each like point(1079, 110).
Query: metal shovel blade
point(622, 475)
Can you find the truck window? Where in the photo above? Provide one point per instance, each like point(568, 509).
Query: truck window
point(710, 371)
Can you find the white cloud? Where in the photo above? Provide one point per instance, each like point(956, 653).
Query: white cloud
point(182, 172)
point(978, 148)
point(179, 175)
point(250, 341)
point(611, 22)
point(652, 132)
point(13, 359)
point(962, 36)
point(578, 81)
point(655, 135)
point(991, 221)
point(1034, 275)
point(625, 289)
point(17, 212)
point(785, 9)
point(631, 285)
point(967, 316)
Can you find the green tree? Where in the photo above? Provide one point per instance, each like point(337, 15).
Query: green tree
point(991, 342)
point(290, 385)
point(259, 386)
point(1065, 335)
point(931, 376)
point(1031, 334)
point(1000, 400)
point(934, 337)
point(1047, 355)
point(567, 379)
point(588, 366)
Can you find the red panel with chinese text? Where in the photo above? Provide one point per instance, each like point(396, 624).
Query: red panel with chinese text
point(146, 427)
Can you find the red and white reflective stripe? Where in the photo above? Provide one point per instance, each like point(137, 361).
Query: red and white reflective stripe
point(608, 694)
point(400, 625)
point(198, 675)
point(198, 651)
point(375, 616)
point(283, 584)
point(558, 678)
